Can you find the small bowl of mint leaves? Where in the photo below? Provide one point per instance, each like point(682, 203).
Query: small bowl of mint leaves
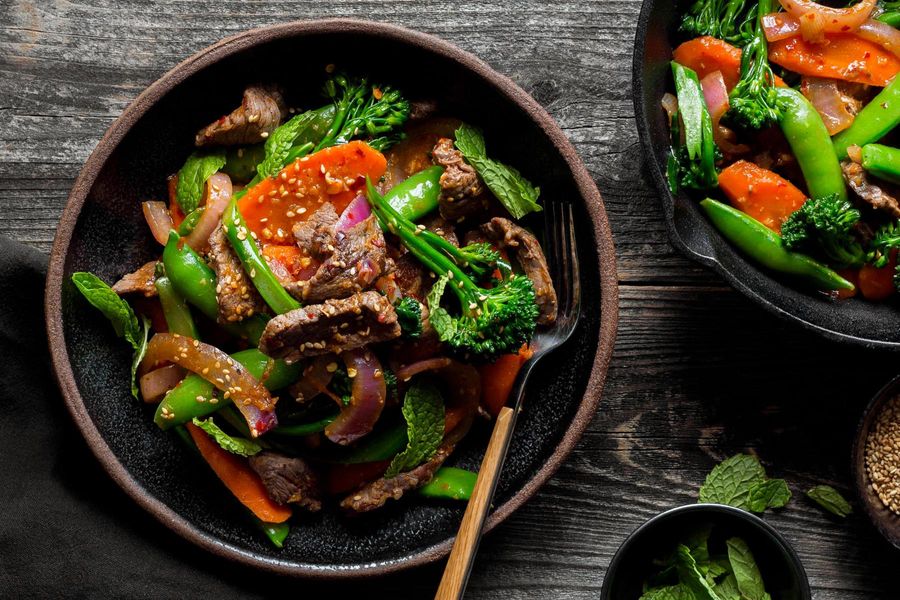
point(705, 552)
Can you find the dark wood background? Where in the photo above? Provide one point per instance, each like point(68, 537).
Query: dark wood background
point(698, 372)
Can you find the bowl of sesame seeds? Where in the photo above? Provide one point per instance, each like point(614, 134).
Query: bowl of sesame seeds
point(876, 461)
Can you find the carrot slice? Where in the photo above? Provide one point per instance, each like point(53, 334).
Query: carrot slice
point(766, 196)
point(239, 478)
point(497, 379)
point(707, 54)
point(843, 56)
point(877, 283)
point(337, 174)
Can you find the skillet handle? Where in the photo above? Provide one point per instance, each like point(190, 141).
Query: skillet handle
point(462, 556)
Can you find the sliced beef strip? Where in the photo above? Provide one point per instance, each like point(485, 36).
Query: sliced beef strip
point(507, 234)
point(333, 326)
point(358, 258)
point(375, 494)
point(288, 480)
point(260, 112)
point(462, 192)
point(872, 194)
point(139, 282)
point(237, 297)
point(316, 234)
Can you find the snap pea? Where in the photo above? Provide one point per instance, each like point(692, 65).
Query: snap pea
point(195, 397)
point(417, 195)
point(178, 315)
point(882, 161)
point(255, 265)
point(276, 532)
point(451, 483)
point(765, 247)
point(190, 221)
point(380, 445)
point(240, 163)
point(304, 428)
point(873, 122)
point(891, 17)
point(810, 142)
point(196, 283)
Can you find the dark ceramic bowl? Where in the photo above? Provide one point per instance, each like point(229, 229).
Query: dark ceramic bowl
point(885, 520)
point(102, 231)
point(779, 564)
point(854, 320)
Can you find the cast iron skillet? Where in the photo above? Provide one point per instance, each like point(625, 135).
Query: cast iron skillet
point(102, 231)
point(857, 321)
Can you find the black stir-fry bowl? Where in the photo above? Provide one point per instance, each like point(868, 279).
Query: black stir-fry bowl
point(854, 320)
point(102, 230)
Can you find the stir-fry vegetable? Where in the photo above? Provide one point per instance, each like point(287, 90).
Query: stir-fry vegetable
point(754, 102)
point(451, 483)
point(692, 162)
point(873, 122)
point(826, 225)
point(881, 161)
point(418, 195)
point(764, 195)
point(766, 247)
point(178, 315)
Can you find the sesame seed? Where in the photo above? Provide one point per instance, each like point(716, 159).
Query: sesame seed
point(264, 134)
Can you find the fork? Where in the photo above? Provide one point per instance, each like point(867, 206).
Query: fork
point(562, 260)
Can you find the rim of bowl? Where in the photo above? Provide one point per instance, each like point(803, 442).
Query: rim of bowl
point(230, 46)
point(724, 509)
point(882, 518)
point(667, 201)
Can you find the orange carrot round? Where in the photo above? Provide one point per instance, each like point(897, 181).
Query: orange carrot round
point(766, 196)
point(239, 478)
point(498, 377)
point(877, 283)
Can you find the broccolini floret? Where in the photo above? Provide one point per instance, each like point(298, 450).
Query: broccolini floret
point(409, 316)
point(826, 225)
point(754, 102)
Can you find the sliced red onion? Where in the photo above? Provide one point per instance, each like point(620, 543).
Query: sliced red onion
point(156, 213)
point(832, 20)
point(315, 378)
point(156, 383)
point(828, 101)
point(780, 26)
point(356, 212)
point(367, 398)
point(218, 195)
point(882, 34)
point(716, 95)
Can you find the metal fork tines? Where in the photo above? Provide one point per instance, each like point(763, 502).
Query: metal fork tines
point(561, 251)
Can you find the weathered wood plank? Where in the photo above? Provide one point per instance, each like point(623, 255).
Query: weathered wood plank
point(698, 374)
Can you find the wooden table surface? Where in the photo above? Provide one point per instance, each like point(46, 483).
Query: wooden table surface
point(698, 372)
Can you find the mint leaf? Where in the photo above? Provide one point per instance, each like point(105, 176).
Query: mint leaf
point(731, 481)
point(138, 356)
point(727, 589)
point(192, 177)
point(118, 311)
point(716, 568)
point(423, 409)
point(515, 192)
point(773, 493)
point(690, 575)
point(698, 544)
point(438, 316)
point(746, 573)
point(830, 499)
point(669, 592)
point(305, 129)
point(235, 445)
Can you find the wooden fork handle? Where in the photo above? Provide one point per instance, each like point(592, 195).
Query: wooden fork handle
point(459, 565)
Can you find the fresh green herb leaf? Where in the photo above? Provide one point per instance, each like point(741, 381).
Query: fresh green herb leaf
point(698, 543)
point(423, 409)
point(138, 356)
point(235, 445)
point(731, 481)
point(113, 307)
point(297, 137)
point(690, 575)
point(773, 493)
point(342, 385)
point(669, 592)
point(192, 177)
point(727, 589)
point(746, 573)
point(716, 569)
point(830, 499)
point(515, 192)
point(241, 162)
point(409, 316)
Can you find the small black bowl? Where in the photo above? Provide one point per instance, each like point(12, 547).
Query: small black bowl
point(874, 325)
point(781, 568)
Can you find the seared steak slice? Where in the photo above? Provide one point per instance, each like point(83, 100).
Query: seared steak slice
point(316, 234)
point(507, 234)
point(373, 495)
point(288, 480)
point(462, 192)
point(260, 112)
point(334, 326)
point(872, 194)
point(139, 282)
point(237, 297)
point(358, 259)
